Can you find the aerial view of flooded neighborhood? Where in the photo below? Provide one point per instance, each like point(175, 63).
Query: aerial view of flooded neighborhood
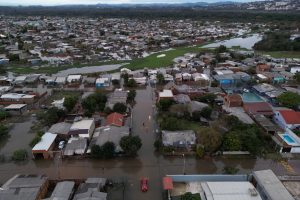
point(149, 100)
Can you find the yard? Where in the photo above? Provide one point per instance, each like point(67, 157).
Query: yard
point(282, 54)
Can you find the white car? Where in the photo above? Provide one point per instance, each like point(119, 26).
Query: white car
point(61, 144)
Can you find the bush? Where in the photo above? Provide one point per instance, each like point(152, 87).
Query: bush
point(231, 142)
point(131, 83)
point(131, 95)
point(115, 82)
point(4, 114)
point(131, 144)
point(206, 112)
point(70, 102)
point(94, 102)
point(200, 151)
point(96, 151)
point(230, 170)
point(19, 155)
point(108, 150)
point(207, 98)
point(157, 144)
point(3, 131)
point(164, 104)
point(190, 196)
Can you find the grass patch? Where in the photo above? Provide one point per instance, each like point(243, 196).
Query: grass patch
point(153, 61)
point(282, 54)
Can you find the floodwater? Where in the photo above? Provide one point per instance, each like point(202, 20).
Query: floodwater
point(147, 164)
point(247, 42)
point(89, 70)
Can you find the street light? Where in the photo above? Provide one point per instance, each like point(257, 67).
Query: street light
point(183, 164)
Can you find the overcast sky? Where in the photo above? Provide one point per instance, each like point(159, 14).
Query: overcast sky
point(60, 2)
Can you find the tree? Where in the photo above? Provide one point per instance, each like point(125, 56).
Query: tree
point(4, 114)
point(3, 131)
point(131, 96)
point(126, 78)
point(231, 142)
point(289, 99)
point(297, 77)
point(190, 196)
point(19, 155)
point(210, 139)
point(96, 151)
point(94, 102)
point(51, 116)
point(120, 108)
point(160, 78)
point(221, 49)
point(206, 112)
point(131, 144)
point(164, 104)
point(70, 102)
point(196, 115)
point(131, 83)
point(108, 150)
point(115, 82)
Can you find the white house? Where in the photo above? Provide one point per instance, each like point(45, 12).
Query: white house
point(287, 119)
point(83, 128)
point(294, 70)
point(291, 142)
point(166, 94)
point(74, 78)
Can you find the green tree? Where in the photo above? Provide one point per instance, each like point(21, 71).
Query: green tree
point(20, 155)
point(115, 82)
point(3, 131)
point(196, 115)
point(160, 78)
point(4, 114)
point(207, 98)
point(200, 151)
point(231, 142)
point(108, 150)
point(164, 104)
point(206, 112)
point(289, 99)
point(190, 196)
point(96, 151)
point(125, 78)
point(120, 108)
point(94, 102)
point(209, 138)
point(131, 144)
point(51, 116)
point(131, 83)
point(70, 102)
point(221, 49)
point(131, 96)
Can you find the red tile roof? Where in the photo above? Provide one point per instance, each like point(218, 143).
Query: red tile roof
point(290, 116)
point(115, 119)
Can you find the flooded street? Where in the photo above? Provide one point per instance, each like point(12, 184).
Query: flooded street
point(147, 164)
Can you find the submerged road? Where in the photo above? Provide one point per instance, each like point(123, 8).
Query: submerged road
point(147, 164)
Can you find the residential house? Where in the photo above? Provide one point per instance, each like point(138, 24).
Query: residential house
point(91, 190)
point(62, 191)
point(118, 96)
point(115, 119)
point(255, 108)
point(76, 146)
point(165, 94)
point(16, 109)
point(287, 119)
point(102, 82)
point(83, 128)
point(182, 99)
point(233, 100)
point(74, 79)
point(179, 139)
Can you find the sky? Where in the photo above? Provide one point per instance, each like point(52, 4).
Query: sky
point(64, 2)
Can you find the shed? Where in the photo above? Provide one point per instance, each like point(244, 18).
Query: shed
point(43, 148)
point(16, 109)
point(62, 191)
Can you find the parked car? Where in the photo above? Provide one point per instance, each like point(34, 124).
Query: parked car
point(144, 184)
point(61, 144)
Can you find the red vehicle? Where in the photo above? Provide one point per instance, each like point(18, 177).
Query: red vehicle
point(144, 184)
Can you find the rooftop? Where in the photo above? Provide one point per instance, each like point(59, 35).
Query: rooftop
point(290, 116)
point(45, 143)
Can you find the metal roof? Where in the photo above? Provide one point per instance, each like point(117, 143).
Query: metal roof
point(271, 185)
point(45, 143)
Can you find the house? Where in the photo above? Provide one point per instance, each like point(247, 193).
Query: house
point(43, 149)
point(295, 69)
point(60, 80)
point(118, 96)
point(102, 82)
point(262, 67)
point(21, 98)
point(115, 119)
point(59, 103)
point(287, 119)
point(62, 191)
point(24, 187)
point(233, 100)
point(89, 81)
point(74, 78)
point(83, 128)
point(165, 94)
point(179, 139)
point(194, 106)
point(110, 134)
point(16, 109)
point(90, 190)
point(266, 124)
point(76, 146)
point(255, 108)
point(269, 186)
point(182, 99)
point(61, 129)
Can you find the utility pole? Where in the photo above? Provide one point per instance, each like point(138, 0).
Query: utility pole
point(183, 164)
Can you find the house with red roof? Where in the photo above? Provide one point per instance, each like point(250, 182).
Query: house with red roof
point(115, 119)
point(287, 119)
point(255, 108)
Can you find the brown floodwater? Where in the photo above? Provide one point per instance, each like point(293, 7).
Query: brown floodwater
point(147, 164)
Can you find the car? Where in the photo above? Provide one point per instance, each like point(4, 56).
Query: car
point(61, 144)
point(144, 184)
